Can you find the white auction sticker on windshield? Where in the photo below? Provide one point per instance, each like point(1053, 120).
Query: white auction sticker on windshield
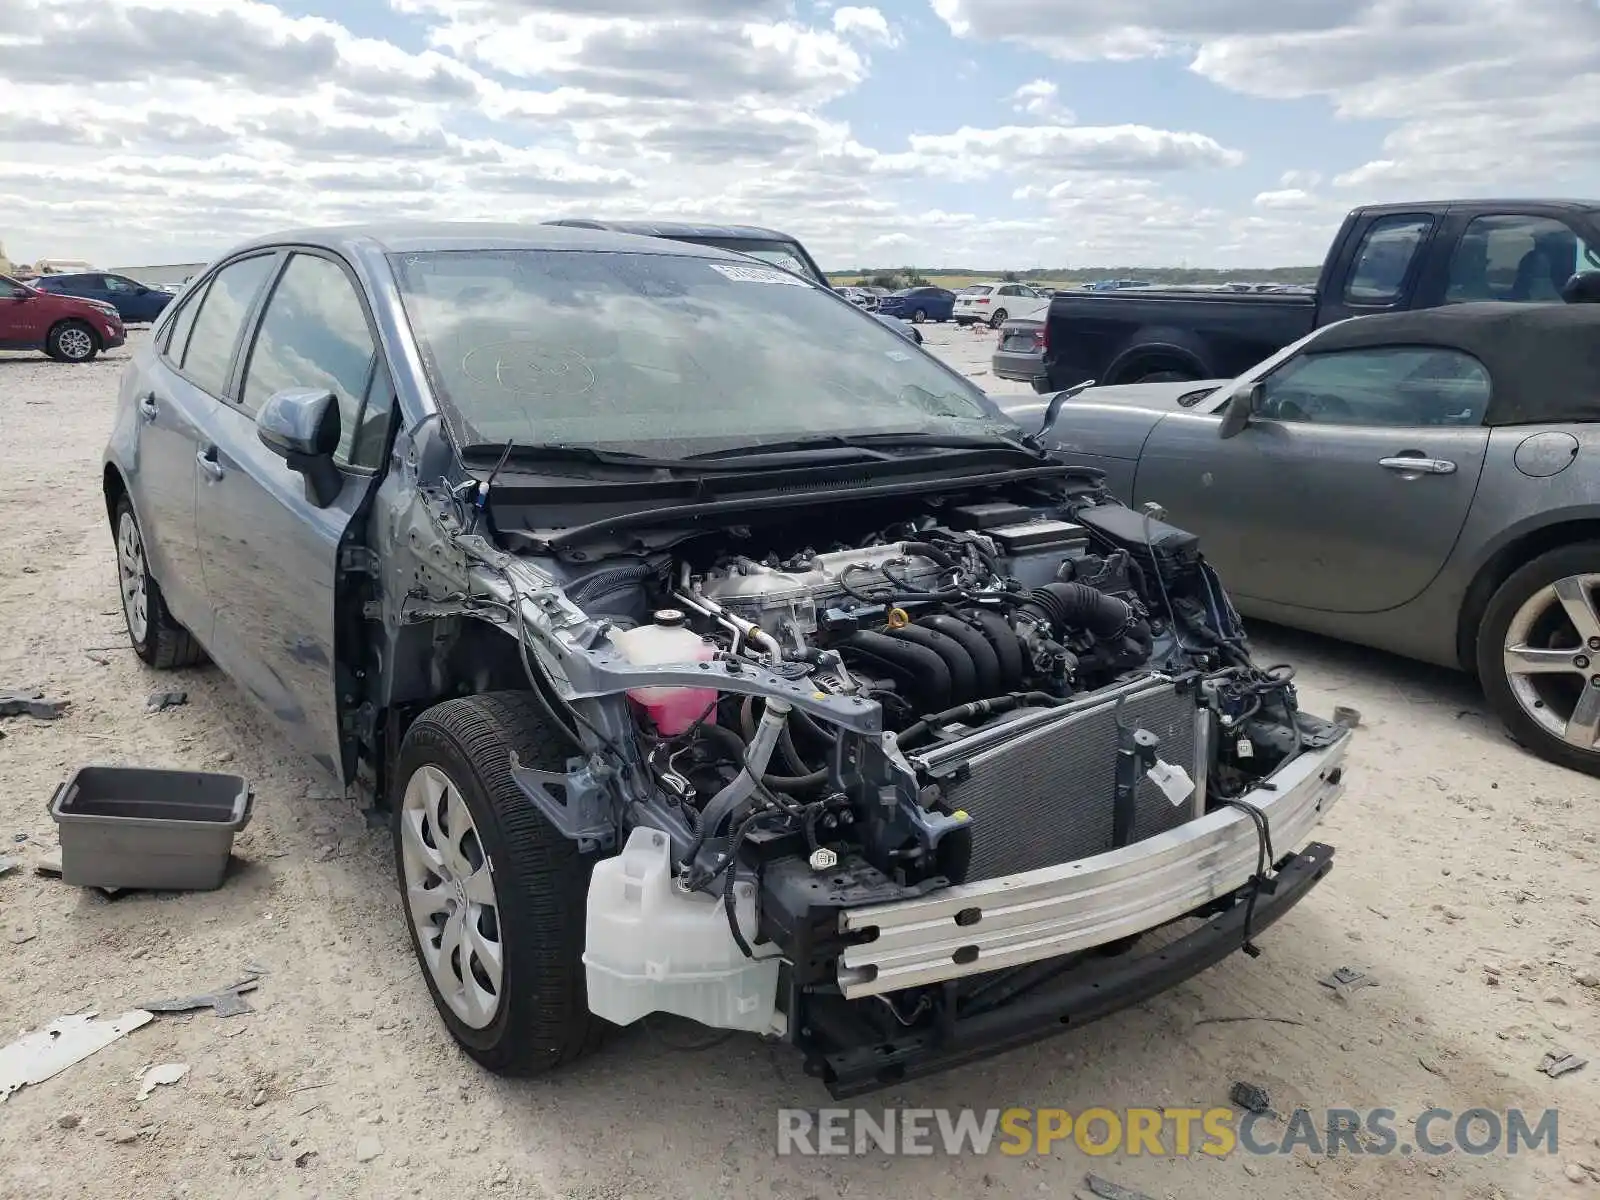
point(757, 274)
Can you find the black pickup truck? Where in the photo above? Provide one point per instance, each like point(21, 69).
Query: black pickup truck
point(1385, 257)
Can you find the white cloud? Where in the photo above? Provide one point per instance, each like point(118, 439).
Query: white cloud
point(868, 24)
point(1286, 199)
point(1040, 98)
point(970, 153)
point(1482, 96)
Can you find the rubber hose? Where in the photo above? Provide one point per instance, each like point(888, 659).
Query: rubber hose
point(1007, 646)
point(985, 662)
point(612, 579)
point(1079, 606)
point(963, 675)
point(778, 783)
point(921, 667)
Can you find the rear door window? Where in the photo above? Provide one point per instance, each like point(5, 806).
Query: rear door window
point(208, 357)
point(1517, 257)
point(1385, 257)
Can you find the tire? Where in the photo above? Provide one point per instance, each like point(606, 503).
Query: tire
point(998, 319)
point(1163, 377)
point(157, 639)
point(72, 341)
point(1525, 611)
point(536, 879)
point(919, 316)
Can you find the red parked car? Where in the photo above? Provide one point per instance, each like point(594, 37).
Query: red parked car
point(67, 328)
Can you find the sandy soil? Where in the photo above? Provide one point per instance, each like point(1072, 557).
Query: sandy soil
point(1465, 883)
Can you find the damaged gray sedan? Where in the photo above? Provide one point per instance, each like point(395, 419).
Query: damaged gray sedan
point(715, 651)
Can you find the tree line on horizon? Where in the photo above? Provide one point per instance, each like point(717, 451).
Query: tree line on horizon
point(915, 277)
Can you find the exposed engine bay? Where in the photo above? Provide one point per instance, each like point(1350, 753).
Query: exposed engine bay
point(782, 725)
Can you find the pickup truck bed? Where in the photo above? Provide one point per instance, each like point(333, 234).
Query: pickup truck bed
point(1385, 258)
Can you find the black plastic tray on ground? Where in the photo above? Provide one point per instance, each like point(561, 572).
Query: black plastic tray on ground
point(137, 827)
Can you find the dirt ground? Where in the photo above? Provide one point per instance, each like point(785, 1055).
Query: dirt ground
point(1466, 883)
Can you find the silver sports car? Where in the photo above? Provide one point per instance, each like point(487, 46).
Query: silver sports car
point(1419, 482)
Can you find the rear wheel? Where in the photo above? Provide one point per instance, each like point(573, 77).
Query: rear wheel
point(919, 316)
point(494, 896)
point(1163, 376)
point(1538, 656)
point(157, 639)
point(998, 319)
point(72, 341)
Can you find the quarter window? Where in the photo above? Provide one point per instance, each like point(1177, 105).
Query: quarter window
point(314, 334)
point(1517, 257)
point(1390, 386)
point(208, 357)
point(1385, 258)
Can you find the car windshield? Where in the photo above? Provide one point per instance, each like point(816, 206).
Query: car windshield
point(665, 355)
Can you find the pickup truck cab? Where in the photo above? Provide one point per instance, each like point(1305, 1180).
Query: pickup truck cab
point(1385, 258)
point(67, 328)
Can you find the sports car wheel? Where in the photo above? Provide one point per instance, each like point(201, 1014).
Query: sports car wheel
point(1539, 656)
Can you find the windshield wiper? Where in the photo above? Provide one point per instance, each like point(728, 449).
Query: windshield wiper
point(875, 443)
point(737, 459)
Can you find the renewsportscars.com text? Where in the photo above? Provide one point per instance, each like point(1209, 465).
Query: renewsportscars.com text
point(1164, 1132)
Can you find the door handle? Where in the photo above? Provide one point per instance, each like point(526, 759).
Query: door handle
point(147, 405)
point(207, 459)
point(1417, 465)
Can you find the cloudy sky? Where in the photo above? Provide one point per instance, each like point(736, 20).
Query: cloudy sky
point(997, 133)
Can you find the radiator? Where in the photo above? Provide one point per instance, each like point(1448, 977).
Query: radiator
point(1042, 792)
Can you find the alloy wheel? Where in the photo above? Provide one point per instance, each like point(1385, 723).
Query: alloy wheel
point(450, 896)
point(1552, 659)
point(75, 344)
point(131, 576)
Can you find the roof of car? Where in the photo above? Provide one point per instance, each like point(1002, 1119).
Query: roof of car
point(408, 237)
point(671, 229)
point(1542, 359)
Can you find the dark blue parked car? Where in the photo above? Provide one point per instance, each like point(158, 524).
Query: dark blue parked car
point(919, 304)
point(135, 302)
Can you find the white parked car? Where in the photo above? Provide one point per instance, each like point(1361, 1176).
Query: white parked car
point(996, 303)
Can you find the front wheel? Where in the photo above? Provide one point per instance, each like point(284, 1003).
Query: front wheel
point(72, 341)
point(495, 898)
point(1538, 656)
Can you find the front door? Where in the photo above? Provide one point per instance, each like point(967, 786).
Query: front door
point(270, 555)
point(1347, 490)
point(24, 318)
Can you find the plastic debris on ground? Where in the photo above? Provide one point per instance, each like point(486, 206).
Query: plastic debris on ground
point(1346, 980)
point(1250, 1097)
point(7, 864)
point(160, 701)
point(1556, 1064)
point(47, 1052)
point(30, 704)
point(159, 1075)
point(225, 1002)
point(1107, 1190)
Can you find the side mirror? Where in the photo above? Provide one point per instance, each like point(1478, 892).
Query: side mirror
point(1583, 288)
point(1053, 411)
point(1237, 415)
point(19, 293)
point(301, 426)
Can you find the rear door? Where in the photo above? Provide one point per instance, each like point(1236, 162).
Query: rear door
point(177, 402)
point(1347, 490)
point(271, 557)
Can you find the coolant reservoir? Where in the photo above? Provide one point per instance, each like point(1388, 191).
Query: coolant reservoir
point(649, 947)
point(672, 710)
